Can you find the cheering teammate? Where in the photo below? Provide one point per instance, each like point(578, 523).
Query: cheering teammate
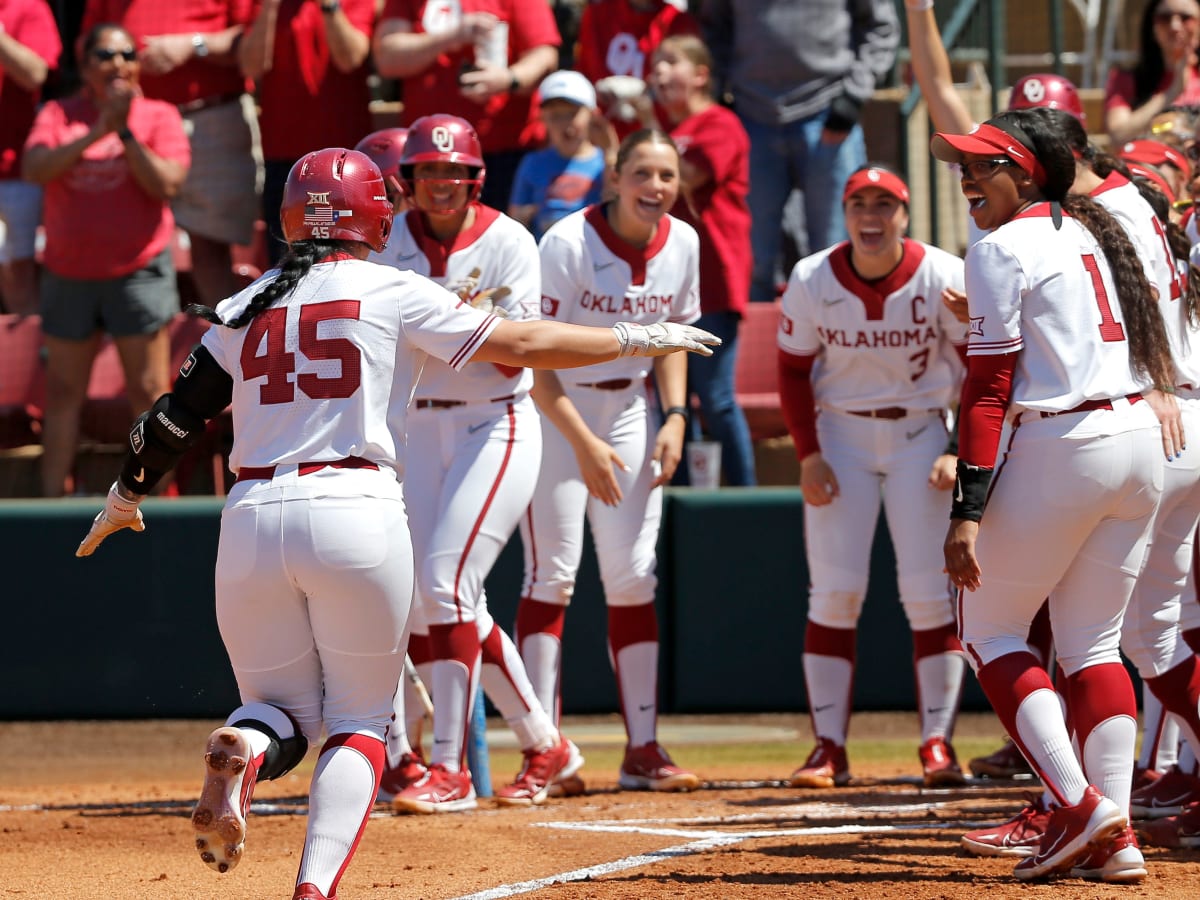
point(314, 573)
point(865, 338)
point(606, 450)
point(477, 445)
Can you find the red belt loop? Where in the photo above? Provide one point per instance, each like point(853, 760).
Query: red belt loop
point(613, 384)
point(266, 473)
point(454, 404)
point(887, 412)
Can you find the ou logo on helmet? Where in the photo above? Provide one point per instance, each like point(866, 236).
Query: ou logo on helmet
point(1034, 90)
point(442, 138)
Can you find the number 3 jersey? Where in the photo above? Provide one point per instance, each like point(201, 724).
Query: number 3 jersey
point(328, 371)
point(888, 342)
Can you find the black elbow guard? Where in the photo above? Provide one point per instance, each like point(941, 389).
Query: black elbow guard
point(202, 385)
point(158, 438)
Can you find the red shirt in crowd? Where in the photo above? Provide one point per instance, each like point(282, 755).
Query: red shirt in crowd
point(616, 39)
point(1121, 91)
point(30, 22)
point(715, 141)
point(195, 79)
point(506, 121)
point(99, 223)
point(306, 103)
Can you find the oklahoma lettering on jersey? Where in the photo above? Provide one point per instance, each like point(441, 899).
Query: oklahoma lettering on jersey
point(590, 276)
point(329, 371)
point(1048, 292)
point(505, 254)
point(883, 343)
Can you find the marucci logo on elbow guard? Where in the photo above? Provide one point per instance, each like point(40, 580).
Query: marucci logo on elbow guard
point(180, 433)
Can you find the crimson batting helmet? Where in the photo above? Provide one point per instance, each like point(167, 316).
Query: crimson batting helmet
point(385, 147)
point(336, 194)
point(443, 138)
point(1047, 90)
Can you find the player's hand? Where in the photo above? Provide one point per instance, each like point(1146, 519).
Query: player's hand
point(489, 300)
point(119, 512)
point(668, 448)
point(662, 338)
point(945, 470)
point(1166, 407)
point(959, 549)
point(465, 288)
point(596, 466)
point(818, 484)
point(956, 301)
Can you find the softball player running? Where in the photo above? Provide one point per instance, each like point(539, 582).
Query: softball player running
point(606, 450)
point(314, 566)
point(1063, 338)
point(477, 445)
point(865, 338)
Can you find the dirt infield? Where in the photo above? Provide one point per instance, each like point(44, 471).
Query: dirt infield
point(100, 810)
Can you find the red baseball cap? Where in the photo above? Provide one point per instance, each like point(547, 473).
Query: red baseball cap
point(1155, 153)
point(1153, 175)
point(992, 138)
point(876, 178)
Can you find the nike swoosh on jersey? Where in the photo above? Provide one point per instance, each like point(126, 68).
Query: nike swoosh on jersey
point(912, 434)
point(830, 301)
point(471, 429)
point(823, 708)
point(599, 267)
point(408, 256)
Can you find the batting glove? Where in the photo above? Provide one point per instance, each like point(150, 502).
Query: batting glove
point(119, 512)
point(663, 338)
point(489, 301)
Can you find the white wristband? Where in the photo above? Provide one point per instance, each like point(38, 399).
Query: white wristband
point(918, 5)
point(633, 338)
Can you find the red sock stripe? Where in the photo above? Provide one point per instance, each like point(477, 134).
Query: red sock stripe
point(458, 642)
point(536, 617)
point(1098, 693)
point(934, 641)
point(824, 641)
point(1178, 690)
point(420, 649)
point(375, 753)
point(1064, 693)
point(492, 651)
point(629, 625)
point(1040, 638)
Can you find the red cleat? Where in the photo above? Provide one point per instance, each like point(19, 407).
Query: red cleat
point(1166, 796)
point(1071, 830)
point(1007, 762)
point(648, 767)
point(1120, 862)
point(1019, 836)
point(825, 767)
point(940, 764)
point(410, 770)
point(539, 772)
point(440, 791)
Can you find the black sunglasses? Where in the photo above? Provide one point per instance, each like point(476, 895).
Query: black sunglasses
point(103, 54)
point(981, 169)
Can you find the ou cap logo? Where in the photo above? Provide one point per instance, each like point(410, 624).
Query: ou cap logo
point(442, 139)
point(321, 197)
point(873, 175)
point(1034, 90)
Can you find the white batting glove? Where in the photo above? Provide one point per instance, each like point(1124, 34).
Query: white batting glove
point(465, 288)
point(663, 338)
point(489, 301)
point(119, 512)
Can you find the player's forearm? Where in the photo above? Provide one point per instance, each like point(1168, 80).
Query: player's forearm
point(553, 403)
point(670, 376)
point(549, 345)
point(931, 68)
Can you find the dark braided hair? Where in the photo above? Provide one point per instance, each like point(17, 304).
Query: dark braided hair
point(301, 257)
point(1149, 351)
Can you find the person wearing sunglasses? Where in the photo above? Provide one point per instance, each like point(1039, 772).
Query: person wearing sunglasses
point(109, 161)
point(1166, 73)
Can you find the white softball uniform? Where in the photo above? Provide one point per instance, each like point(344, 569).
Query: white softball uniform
point(591, 277)
point(885, 373)
point(1069, 511)
point(314, 575)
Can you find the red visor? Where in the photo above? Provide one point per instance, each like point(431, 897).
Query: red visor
point(1153, 175)
point(987, 140)
point(1155, 153)
point(876, 178)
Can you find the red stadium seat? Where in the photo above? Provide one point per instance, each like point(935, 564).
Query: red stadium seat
point(22, 380)
point(756, 375)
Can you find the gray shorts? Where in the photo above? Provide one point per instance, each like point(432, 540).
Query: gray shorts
point(219, 198)
point(138, 303)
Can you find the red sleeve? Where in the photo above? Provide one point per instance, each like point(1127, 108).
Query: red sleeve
point(986, 393)
point(586, 60)
point(39, 32)
point(799, 404)
point(1119, 90)
point(532, 26)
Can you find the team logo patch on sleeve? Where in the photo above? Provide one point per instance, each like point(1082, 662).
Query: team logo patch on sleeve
point(785, 324)
point(549, 306)
point(976, 326)
point(188, 364)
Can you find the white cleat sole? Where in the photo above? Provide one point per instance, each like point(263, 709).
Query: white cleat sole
point(217, 818)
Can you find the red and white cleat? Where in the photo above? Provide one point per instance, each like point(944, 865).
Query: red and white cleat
point(940, 764)
point(1182, 830)
point(219, 818)
point(1166, 796)
point(308, 891)
point(1007, 762)
point(1095, 821)
point(648, 767)
point(825, 767)
point(1120, 862)
point(408, 772)
point(1019, 836)
point(440, 791)
point(539, 772)
point(571, 786)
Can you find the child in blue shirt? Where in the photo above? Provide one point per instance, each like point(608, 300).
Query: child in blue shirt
point(568, 174)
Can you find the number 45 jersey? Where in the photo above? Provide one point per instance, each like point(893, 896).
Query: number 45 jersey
point(882, 343)
point(328, 371)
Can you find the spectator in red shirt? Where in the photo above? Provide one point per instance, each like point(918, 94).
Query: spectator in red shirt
point(618, 38)
point(477, 59)
point(714, 174)
point(309, 58)
point(186, 50)
point(29, 50)
point(110, 162)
